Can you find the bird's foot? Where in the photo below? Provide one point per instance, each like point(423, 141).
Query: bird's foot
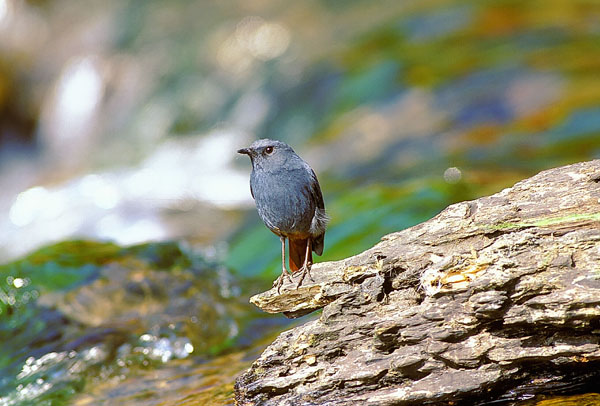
point(279, 281)
point(305, 270)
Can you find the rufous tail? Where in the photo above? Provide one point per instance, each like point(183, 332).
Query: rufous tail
point(298, 253)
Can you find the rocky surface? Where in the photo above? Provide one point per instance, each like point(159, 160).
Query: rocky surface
point(496, 298)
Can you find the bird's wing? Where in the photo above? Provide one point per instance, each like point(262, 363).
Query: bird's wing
point(320, 219)
point(315, 190)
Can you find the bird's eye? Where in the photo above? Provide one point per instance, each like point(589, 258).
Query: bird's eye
point(269, 150)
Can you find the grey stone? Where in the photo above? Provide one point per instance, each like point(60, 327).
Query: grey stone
point(498, 296)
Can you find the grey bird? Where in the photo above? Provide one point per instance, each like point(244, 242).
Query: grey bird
point(290, 203)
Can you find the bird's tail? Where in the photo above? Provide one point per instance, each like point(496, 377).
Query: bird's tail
point(317, 244)
point(298, 253)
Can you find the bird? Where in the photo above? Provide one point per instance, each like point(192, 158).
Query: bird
point(289, 201)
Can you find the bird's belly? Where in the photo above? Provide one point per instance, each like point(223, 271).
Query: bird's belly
point(286, 216)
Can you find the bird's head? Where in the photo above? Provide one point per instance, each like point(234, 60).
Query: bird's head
point(266, 153)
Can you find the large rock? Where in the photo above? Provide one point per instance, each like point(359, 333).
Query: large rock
point(496, 297)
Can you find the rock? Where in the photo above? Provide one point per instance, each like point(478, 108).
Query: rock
point(495, 298)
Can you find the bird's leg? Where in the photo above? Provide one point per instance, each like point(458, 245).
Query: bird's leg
point(307, 265)
point(284, 271)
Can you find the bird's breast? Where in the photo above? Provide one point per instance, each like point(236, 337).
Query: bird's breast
point(283, 202)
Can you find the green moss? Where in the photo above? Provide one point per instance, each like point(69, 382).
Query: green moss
point(549, 221)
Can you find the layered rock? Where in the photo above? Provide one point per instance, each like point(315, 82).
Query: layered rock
point(493, 298)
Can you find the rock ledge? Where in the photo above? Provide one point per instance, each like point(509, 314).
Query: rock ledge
point(496, 298)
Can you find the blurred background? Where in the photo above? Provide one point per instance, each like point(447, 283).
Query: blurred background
point(119, 122)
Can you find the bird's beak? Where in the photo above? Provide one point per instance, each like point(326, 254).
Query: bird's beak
point(245, 151)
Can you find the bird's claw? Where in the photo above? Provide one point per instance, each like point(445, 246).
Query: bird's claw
point(279, 281)
point(302, 272)
point(305, 270)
